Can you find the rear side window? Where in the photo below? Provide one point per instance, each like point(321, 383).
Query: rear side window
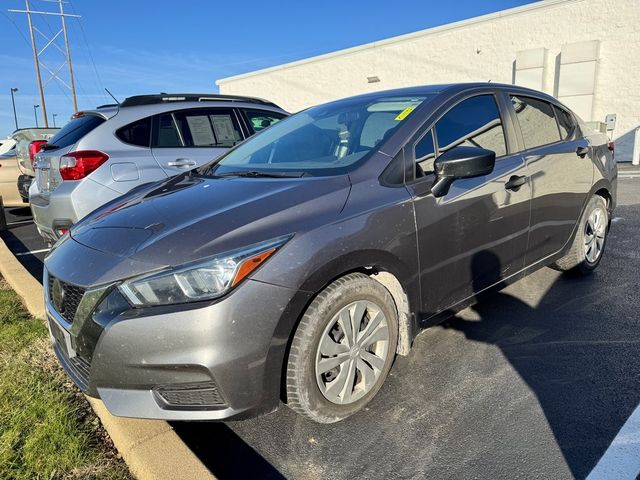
point(474, 122)
point(208, 127)
point(537, 121)
point(136, 133)
point(77, 128)
point(261, 119)
point(165, 133)
point(566, 123)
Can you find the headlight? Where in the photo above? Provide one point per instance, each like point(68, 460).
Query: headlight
point(204, 280)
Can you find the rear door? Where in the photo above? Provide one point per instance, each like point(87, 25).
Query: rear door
point(476, 234)
point(185, 139)
point(561, 176)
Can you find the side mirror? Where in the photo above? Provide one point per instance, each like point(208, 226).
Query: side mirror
point(461, 162)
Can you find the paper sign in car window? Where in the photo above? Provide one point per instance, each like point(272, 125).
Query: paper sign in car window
point(201, 132)
point(223, 127)
point(403, 114)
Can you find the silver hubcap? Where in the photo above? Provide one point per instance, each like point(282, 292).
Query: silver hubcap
point(594, 234)
point(352, 352)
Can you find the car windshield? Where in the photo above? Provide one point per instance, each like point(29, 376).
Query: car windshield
point(325, 140)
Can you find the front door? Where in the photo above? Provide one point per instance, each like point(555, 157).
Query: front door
point(475, 235)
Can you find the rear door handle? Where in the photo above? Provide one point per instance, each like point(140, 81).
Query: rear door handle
point(182, 162)
point(515, 182)
point(582, 151)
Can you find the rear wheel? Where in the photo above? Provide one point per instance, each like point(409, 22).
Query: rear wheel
point(588, 245)
point(342, 350)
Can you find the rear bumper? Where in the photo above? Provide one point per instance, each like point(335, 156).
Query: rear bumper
point(211, 362)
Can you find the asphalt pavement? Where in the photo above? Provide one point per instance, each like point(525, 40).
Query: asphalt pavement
point(533, 382)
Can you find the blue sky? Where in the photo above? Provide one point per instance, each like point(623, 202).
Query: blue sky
point(145, 46)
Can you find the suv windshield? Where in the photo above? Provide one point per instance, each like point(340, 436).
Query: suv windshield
point(325, 140)
point(75, 130)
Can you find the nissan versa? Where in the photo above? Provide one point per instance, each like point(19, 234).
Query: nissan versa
point(298, 264)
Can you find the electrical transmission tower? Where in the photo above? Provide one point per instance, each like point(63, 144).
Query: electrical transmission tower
point(51, 41)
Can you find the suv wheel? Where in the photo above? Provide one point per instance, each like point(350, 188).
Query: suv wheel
point(588, 245)
point(342, 350)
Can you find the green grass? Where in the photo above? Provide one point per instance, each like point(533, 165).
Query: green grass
point(47, 429)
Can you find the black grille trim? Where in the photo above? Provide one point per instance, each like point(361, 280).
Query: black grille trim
point(72, 297)
point(198, 396)
point(78, 368)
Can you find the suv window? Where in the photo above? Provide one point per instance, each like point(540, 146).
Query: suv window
point(165, 133)
point(474, 122)
point(261, 119)
point(136, 133)
point(76, 129)
point(208, 127)
point(425, 154)
point(566, 124)
point(537, 121)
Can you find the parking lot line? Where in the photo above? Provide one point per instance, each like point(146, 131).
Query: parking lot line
point(622, 459)
point(32, 252)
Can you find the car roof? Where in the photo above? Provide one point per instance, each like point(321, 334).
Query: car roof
point(452, 89)
point(164, 98)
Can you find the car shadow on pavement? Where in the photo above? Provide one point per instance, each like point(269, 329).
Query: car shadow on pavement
point(573, 352)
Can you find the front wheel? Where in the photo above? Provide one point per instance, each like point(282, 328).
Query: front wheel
point(588, 245)
point(342, 350)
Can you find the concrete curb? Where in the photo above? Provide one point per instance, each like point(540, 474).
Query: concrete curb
point(151, 448)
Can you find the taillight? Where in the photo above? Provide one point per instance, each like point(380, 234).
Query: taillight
point(34, 148)
point(77, 165)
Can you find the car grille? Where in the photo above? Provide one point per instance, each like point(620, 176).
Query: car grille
point(71, 300)
point(191, 395)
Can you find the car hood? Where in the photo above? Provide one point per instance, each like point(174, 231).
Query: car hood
point(189, 218)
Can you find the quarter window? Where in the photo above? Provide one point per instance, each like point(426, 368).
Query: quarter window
point(474, 122)
point(136, 133)
point(537, 121)
point(566, 123)
point(261, 119)
point(425, 154)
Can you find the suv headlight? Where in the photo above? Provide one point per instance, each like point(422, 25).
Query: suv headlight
point(204, 280)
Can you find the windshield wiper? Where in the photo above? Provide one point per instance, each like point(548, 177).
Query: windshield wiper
point(256, 174)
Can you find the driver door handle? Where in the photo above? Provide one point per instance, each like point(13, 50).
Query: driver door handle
point(182, 162)
point(515, 182)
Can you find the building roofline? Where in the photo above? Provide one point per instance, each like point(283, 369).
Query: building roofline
point(541, 4)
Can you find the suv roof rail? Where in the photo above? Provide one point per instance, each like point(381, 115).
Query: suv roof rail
point(190, 97)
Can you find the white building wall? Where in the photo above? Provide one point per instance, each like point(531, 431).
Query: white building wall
point(480, 49)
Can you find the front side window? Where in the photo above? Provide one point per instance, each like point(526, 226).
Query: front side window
point(474, 122)
point(537, 121)
point(208, 127)
point(325, 140)
point(261, 119)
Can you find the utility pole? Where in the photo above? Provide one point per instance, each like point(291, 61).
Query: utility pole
point(51, 42)
point(13, 101)
point(36, 60)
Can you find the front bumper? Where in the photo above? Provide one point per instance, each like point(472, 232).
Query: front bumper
point(167, 363)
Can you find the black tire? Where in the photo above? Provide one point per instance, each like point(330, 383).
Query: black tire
point(303, 391)
point(575, 260)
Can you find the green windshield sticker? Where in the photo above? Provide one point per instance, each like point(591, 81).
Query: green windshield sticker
point(403, 114)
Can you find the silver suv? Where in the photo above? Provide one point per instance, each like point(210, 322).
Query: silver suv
point(102, 154)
